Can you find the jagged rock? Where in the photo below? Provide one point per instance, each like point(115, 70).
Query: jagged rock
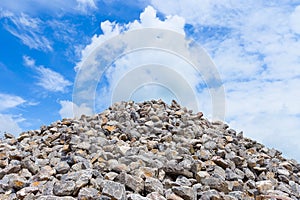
point(155, 196)
point(153, 185)
point(264, 186)
point(62, 167)
point(64, 188)
point(88, 193)
point(136, 197)
point(55, 198)
point(114, 190)
point(132, 182)
point(184, 191)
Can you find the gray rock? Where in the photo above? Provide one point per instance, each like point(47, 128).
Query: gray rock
point(64, 188)
point(202, 175)
point(136, 197)
point(216, 183)
point(208, 195)
point(28, 164)
point(114, 190)
point(264, 186)
point(88, 193)
point(45, 173)
point(155, 196)
point(55, 198)
point(62, 167)
point(183, 181)
point(184, 191)
point(132, 182)
point(25, 191)
point(16, 181)
point(153, 185)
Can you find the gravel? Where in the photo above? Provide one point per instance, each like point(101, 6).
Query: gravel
point(143, 151)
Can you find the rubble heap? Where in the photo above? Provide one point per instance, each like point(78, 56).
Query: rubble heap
point(143, 151)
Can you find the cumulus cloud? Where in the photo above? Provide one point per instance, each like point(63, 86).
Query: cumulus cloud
point(70, 110)
point(148, 19)
point(129, 62)
point(47, 78)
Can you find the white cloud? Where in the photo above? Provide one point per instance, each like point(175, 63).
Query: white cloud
point(10, 101)
point(165, 55)
point(29, 30)
point(85, 5)
point(294, 20)
point(54, 7)
point(71, 110)
point(47, 78)
point(148, 19)
point(255, 46)
point(51, 80)
point(9, 124)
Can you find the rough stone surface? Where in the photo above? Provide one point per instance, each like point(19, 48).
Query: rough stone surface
point(143, 151)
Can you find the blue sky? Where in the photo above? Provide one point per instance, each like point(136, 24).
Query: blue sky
point(254, 45)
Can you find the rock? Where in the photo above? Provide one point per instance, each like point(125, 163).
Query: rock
point(111, 176)
point(221, 162)
point(50, 197)
point(153, 185)
point(173, 196)
point(25, 191)
point(210, 194)
point(155, 196)
point(284, 172)
point(136, 197)
point(216, 183)
point(45, 173)
point(88, 193)
point(264, 186)
point(114, 190)
point(28, 164)
point(62, 167)
point(184, 191)
point(183, 181)
point(64, 188)
point(134, 183)
point(201, 175)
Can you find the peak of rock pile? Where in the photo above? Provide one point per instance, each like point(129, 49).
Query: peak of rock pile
point(143, 151)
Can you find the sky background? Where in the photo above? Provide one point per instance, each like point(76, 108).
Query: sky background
point(254, 44)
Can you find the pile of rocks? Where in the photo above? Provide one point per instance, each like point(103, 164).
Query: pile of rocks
point(141, 151)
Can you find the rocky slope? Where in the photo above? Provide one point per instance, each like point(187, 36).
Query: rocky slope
point(141, 151)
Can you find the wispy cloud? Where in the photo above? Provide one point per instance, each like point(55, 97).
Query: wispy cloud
point(10, 101)
point(54, 7)
point(27, 29)
point(85, 5)
point(47, 78)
